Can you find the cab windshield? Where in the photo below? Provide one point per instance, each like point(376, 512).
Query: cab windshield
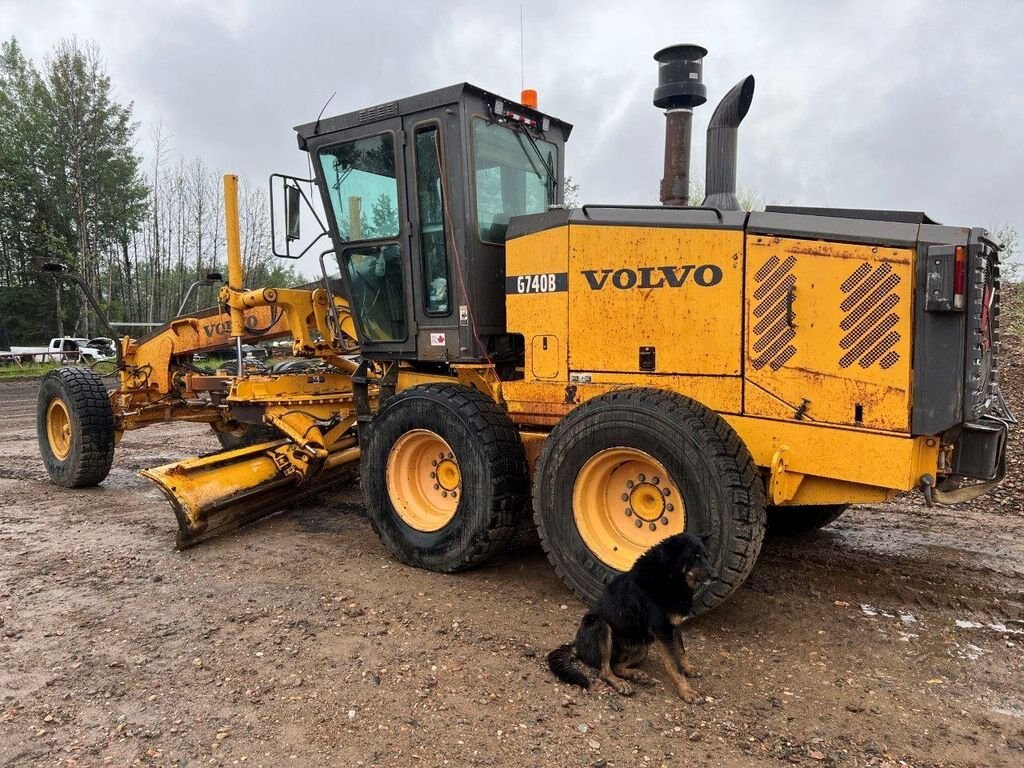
point(515, 175)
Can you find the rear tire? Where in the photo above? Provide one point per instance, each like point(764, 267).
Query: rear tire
point(802, 520)
point(480, 468)
point(75, 427)
point(719, 490)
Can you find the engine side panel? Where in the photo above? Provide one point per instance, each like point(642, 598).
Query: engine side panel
point(829, 332)
point(668, 297)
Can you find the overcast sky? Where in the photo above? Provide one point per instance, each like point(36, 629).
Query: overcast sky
point(899, 104)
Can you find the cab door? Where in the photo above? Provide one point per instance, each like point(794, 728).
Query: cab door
point(430, 152)
point(362, 175)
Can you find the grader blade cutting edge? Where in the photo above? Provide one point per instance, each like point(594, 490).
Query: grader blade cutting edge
point(215, 494)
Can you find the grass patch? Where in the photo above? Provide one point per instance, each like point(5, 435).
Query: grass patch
point(26, 370)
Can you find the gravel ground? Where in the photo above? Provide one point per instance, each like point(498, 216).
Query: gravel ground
point(892, 637)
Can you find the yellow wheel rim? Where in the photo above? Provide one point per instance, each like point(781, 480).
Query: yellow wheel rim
point(58, 429)
point(424, 480)
point(624, 502)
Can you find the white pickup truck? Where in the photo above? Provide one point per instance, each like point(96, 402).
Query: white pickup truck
point(62, 349)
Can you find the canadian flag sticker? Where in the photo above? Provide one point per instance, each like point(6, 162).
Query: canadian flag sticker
point(437, 340)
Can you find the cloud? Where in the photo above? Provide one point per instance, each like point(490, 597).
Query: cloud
point(862, 104)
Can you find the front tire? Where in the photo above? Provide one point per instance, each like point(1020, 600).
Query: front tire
point(607, 476)
point(75, 427)
point(444, 477)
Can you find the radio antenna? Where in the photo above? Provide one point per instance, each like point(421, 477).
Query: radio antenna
point(522, 36)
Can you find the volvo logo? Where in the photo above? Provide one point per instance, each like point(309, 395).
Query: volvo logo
point(704, 275)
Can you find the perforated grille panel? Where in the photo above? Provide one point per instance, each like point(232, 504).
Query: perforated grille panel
point(871, 313)
point(773, 331)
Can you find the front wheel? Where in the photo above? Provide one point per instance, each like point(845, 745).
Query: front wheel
point(75, 427)
point(628, 469)
point(444, 477)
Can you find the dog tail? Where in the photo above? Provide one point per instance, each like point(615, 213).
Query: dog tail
point(562, 662)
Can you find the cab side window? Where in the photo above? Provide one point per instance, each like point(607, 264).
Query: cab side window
point(433, 239)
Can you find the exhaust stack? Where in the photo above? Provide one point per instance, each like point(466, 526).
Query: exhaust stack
point(720, 176)
point(680, 89)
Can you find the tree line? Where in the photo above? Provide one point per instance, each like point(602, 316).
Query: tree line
point(75, 189)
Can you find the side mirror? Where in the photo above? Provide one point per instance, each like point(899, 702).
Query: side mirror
point(292, 209)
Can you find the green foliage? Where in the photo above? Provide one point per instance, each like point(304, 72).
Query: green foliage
point(1010, 257)
point(70, 188)
point(570, 193)
point(385, 218)
point(73, 190)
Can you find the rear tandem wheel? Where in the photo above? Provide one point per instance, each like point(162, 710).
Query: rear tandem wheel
point(629, 468)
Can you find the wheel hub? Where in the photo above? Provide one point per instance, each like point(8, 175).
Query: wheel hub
point(424, 480)
point(646, 501)
point(624, 502)
point(58, 429)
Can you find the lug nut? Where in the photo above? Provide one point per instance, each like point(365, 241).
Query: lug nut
point(629, 512)
point(451, 455)
point(653, 527)
point(666, 491)
point(655, 479)
point(454, 494)
point(641, 477)
point(433, 475)
point(664, 521)
point(639, 523)
point(629, 483)
point(669, 507)
point(444, 494)
point(433, 462)
point(625, 497)
point(437, 487)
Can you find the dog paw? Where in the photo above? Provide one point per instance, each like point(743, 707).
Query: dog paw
point(688, 695)
point(623, 688)
point(691, 671)
point(643, 678)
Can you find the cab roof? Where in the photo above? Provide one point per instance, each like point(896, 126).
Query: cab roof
point(412, 104)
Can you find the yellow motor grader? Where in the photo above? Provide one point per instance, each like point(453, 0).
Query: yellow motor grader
point(623, 372)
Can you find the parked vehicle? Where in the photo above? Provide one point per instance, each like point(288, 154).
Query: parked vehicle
point(60, 349)
point(104, 344)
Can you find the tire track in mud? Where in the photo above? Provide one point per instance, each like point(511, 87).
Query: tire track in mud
point(842, 649)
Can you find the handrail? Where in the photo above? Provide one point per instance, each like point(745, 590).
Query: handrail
point(711, 208)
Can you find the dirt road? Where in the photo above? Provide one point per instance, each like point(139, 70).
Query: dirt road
point(893, 637)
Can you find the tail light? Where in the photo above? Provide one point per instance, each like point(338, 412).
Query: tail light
point(959, 276)
point(947, 278)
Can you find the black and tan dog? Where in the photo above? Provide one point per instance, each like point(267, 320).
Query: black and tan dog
point(644, 606)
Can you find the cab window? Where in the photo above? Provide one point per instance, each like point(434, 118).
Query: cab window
point(361, 182)
point(375, 274)
point(433, 241)
point(514, 176)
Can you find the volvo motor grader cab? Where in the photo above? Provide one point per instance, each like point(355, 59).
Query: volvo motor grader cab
point(620, 372)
